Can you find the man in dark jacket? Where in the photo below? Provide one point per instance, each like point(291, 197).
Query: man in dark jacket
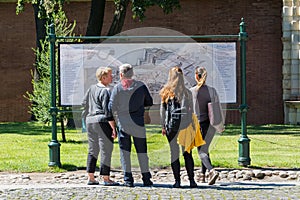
point(127, 102)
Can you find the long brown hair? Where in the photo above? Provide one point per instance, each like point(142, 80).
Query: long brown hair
point(175, 85)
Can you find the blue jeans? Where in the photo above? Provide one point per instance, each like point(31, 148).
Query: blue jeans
point(140, 145)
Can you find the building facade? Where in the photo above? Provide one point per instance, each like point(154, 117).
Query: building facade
point(272, 72)
point(290, 56)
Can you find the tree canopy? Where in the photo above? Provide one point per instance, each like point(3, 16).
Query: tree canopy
point(94, 28)
point(51, 11)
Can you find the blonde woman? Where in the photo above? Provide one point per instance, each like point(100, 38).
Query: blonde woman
point(175, 90)
point(100, 127)
point(202, 95)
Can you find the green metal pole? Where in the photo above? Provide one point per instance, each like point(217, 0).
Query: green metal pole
point(244, 158)
point(54, 146)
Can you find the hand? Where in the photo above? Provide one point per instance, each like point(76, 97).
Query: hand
point(220, 128)
point(114, 134)
point(163, 131)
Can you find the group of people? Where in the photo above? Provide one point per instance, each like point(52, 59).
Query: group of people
point(118, 112)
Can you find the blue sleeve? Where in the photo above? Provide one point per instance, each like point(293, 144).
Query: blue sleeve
point(148, 99)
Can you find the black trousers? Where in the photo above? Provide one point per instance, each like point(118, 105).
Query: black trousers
point(175, 152)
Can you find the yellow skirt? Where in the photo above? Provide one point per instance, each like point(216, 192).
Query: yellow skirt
point(191, 136)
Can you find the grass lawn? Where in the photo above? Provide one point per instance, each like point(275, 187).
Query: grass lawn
point(24, 148)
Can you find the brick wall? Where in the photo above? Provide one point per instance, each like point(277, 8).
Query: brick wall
point(197, 17)
point(16, 59)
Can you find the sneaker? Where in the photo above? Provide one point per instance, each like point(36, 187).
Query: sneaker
point(212, 177)
point(110, 183)
point(193, 184)
point(93, 182)
point(177, 184)
point(128, 184)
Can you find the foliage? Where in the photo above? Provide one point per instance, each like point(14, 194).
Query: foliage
point(41, 96)
point(52, 11)
point(139, 7)
point(47, 7)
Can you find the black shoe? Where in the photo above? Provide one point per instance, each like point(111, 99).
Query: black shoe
point(176, 184)
point(128, 184)
point(148, 183)
point(193, 184)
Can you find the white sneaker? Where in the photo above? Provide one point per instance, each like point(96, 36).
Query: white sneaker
point(212, 177)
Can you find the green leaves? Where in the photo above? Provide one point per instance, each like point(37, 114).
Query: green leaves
point(41, 94)
point(47, 7)
point(139, 7)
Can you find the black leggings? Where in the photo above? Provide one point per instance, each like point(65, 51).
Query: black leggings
point(175, 163)
point(208, 133)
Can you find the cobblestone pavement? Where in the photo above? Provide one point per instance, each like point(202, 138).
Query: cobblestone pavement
point(232, 184)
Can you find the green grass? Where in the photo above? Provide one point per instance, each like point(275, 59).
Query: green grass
point(24, 148)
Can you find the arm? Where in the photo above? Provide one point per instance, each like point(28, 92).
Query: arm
point(113, 126)
point(148, 98)
point(105, 104)
point(108, 113)
point(163, 117)
point(112, 107)
point(220, 127)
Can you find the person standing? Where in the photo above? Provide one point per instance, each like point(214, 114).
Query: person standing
point(100, 127)
point(202, 95)
point(175, 90)
point(127, 102)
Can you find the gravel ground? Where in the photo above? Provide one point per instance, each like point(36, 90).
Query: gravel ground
point(232, 184)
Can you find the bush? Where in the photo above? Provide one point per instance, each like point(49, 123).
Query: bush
point(41, 94)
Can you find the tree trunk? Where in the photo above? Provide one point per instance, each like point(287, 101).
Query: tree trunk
point(41, 32)
point(40, 26)
point(95, 24)
point(119, 18)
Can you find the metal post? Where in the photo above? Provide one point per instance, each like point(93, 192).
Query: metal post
point(54, 146)
point(244, 141)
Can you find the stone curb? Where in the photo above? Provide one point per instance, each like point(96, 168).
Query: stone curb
point(158, 176)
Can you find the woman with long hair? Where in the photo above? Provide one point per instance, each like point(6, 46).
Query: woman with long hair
point(175, 90)
point(202, 95)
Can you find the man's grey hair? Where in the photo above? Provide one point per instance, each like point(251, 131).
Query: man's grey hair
point(127, 70)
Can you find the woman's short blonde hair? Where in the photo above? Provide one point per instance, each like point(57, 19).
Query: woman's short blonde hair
point(102, 71)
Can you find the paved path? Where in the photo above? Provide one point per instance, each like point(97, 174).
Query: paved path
point(70, 185)
point(236, 190)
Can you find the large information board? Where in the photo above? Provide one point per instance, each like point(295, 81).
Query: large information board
point(78, 63)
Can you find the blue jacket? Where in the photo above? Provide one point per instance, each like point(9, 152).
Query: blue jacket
point(128, 105)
